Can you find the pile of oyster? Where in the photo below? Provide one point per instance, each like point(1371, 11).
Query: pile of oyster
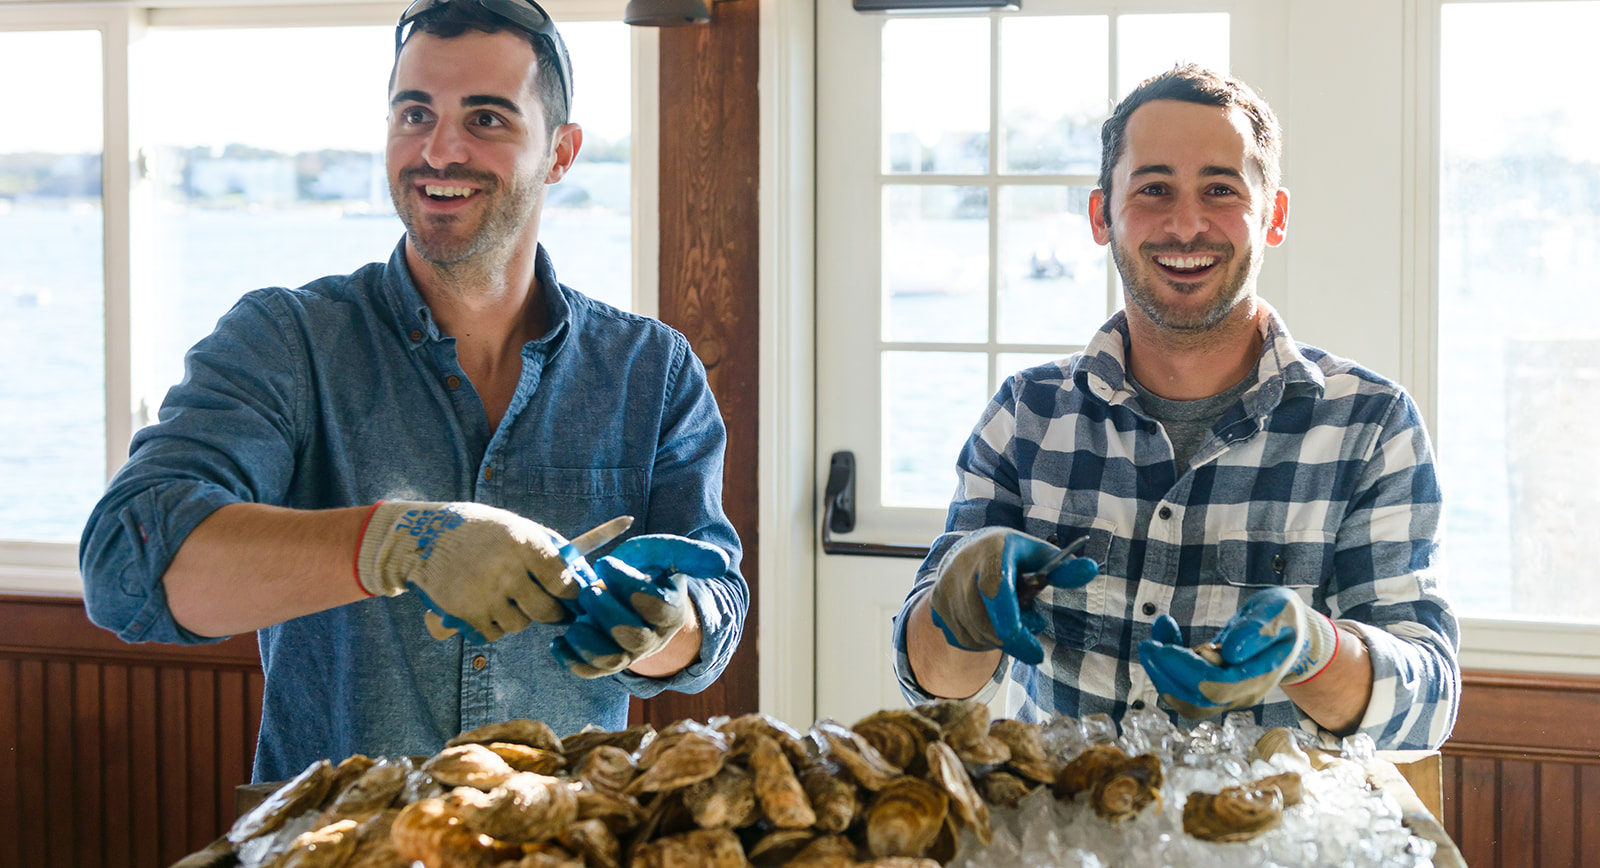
point(904, 787)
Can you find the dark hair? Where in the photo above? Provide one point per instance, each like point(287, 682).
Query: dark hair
point(449, 20)
point(1193, 83)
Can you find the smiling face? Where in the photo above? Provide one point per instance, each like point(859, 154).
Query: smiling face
point(468, 157)
point(1188, 219)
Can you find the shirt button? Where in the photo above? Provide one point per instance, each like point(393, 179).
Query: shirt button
point(1054, 539)
point(1165, 512)
point(479, 662)
point(1149, 608)
point(1137, 704)
point(453, 381)
point(1277, 563)
point(488, 473)
point(416, 334)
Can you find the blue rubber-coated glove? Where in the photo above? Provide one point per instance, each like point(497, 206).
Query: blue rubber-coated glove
point(974, 598)
point(479, 567)
point(642, 605)
point(1274, 638)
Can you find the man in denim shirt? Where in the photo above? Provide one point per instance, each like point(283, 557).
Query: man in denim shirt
point(425, 434)
point(1263, 516)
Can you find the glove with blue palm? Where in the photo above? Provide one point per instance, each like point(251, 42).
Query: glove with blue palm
point(643, 603)
point(974, 600)
point(1275, 638)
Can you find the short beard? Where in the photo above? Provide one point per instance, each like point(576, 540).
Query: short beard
point(501, 222)
point(1234, 289)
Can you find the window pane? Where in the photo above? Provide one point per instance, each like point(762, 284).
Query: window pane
point(52, 355)
point(1047, 127)
point(930, 402)
point(265, 173)
point(1052, 274)
point(936, 95)
point(281, 180)
point(587, 223)
point(936, 263)
point(1519, 320)
point(1150, 44)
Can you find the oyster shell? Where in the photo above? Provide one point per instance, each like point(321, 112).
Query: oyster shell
point(779, 846)
point(526, 807)
point(905, 817)
point(1280, 741)
point(900, 735)
point(433, 832)
point(792, 742)
point(727, 799)
point(1235, 814)
point(859, 758)
point(782, 798)
point(545, 854)
point(345, 773)
point(834, 799)
point(1119, 786)
point(374, 849)
point(593, 842)
point(607, 767)
point(303, 792)
point(1288, 785)
point(964, 725)
point(526, 758)
point(534, 733)
point(327, 847)
point(1004, 788)
point(374, 791)
point(468, 765)
point(947, 771)
point(826, 851)
point(693, 757)
point(1025, 742)
point(712, 848)
point(577, 746)
point(620, 812)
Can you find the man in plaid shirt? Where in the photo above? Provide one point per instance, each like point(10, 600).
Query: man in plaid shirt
point(1264, 516)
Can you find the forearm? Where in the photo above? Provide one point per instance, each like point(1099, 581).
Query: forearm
point(1337, 697)
point(249, 566)
point(939, 667)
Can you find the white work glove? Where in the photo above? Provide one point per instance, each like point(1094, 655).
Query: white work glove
point(481, 568)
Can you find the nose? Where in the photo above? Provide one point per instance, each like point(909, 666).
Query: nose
point(445, 146)
point(1186, 220)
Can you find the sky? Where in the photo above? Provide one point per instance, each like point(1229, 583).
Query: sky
point(286, 89)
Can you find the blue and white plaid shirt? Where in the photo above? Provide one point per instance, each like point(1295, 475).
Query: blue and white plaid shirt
point(1319, 479)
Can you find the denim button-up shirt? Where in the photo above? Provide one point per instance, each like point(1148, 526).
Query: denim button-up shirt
point(344, 392)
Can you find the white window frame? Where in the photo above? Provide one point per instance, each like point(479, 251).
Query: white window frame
point(52, 568)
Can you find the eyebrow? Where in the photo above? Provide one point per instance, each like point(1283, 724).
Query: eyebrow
point(468, 101)
point(1205, 172)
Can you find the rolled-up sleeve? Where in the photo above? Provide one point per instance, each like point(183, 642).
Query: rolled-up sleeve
point(686, 499)
point(1388, 568)
point(224, 436)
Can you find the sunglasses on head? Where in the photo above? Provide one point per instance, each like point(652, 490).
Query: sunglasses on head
point(525, 15)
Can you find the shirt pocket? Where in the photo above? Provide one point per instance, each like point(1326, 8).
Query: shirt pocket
point(1249, 561)
point(571, 500)
point(1077, 615)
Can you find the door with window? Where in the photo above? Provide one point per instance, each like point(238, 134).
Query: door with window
point(956, 153)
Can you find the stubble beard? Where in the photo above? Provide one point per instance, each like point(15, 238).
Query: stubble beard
point(450, 242)
point(1140, 287)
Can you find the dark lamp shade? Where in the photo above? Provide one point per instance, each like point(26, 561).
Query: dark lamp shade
point(666, 13)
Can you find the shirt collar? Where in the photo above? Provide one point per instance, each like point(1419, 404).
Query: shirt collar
point(416, 319)
point(1102, 368)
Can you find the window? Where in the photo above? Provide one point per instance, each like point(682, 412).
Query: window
point(245, 172)
point(1519, 319)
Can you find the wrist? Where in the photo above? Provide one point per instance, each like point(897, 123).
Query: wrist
point(1322, 646)
point(392, 539)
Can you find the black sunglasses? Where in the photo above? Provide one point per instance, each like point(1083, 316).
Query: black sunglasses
point(525, 15)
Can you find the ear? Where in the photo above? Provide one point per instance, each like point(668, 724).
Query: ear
point(1278, 223)
point(1099, 216)
point(568, 139)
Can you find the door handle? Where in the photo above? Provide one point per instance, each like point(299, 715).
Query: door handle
point(839, 515)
